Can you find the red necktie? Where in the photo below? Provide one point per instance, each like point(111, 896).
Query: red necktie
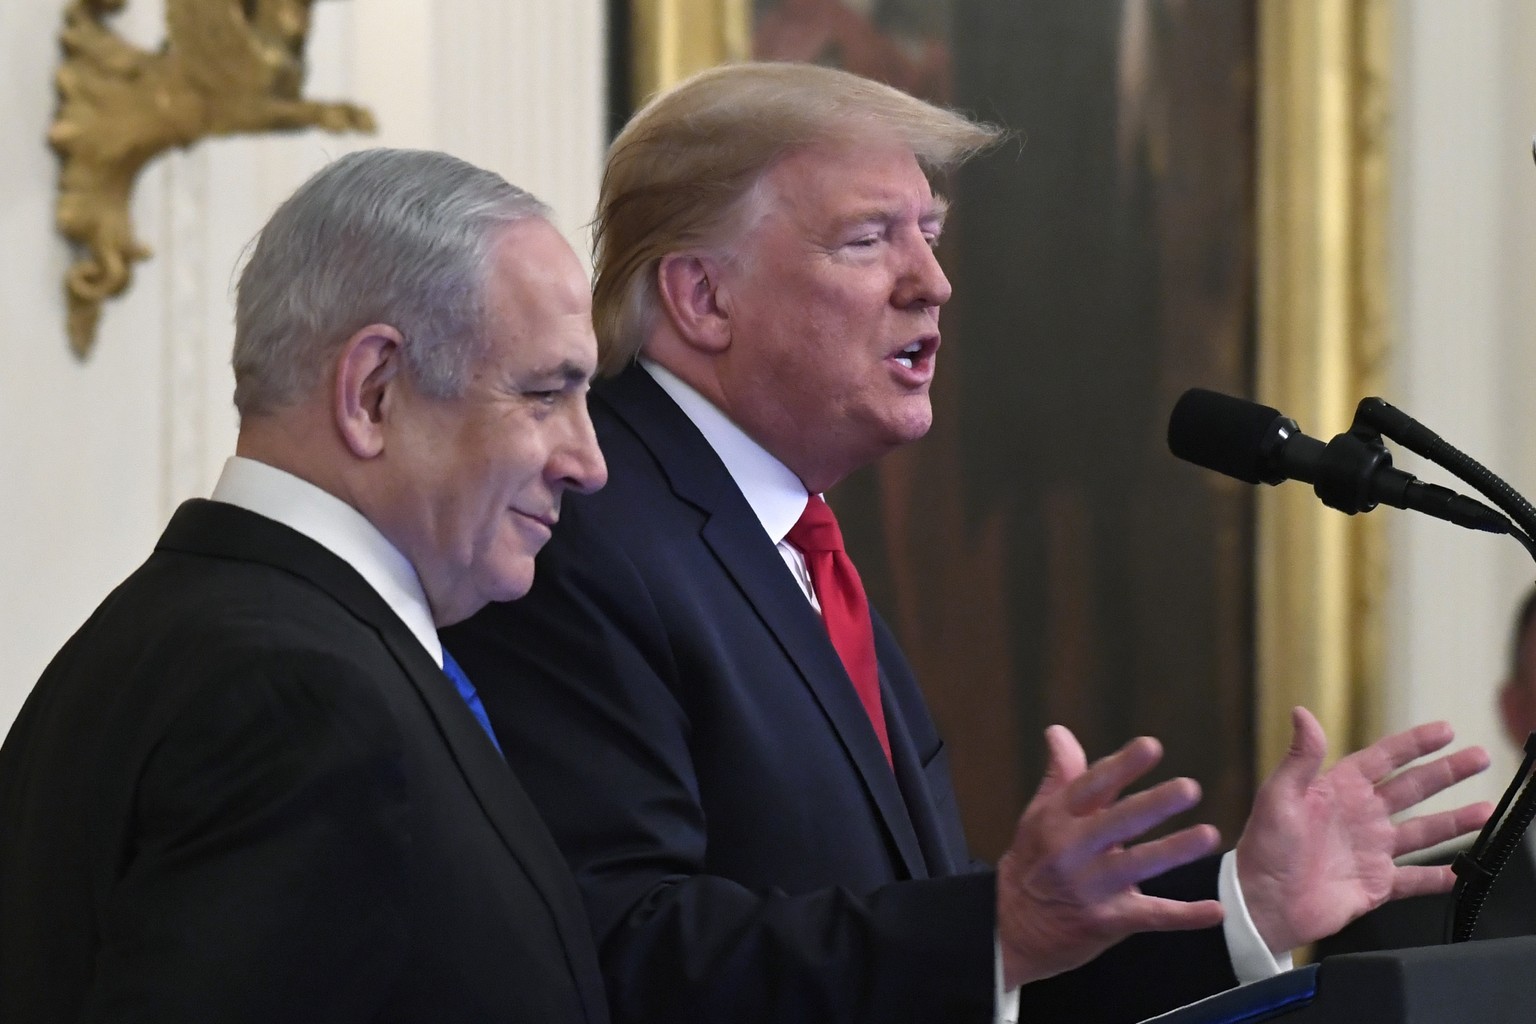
point(844, 608)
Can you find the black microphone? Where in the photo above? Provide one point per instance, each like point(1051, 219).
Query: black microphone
point(1351, 473)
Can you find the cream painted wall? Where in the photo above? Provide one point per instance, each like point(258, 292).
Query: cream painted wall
point(1464, 251)
point(95, 455)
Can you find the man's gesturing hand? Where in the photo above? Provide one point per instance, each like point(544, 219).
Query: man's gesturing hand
point(1067, 886)
point(1318, 848)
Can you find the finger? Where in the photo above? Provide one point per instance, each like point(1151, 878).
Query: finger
point(1431, 829)
point(1123, 868)
point(1148, 860)
point(1129, 818)
point(1106, 778)
point(1422, 880)
point(1304, 759)
point(1390, 753)
point(1156, 914)
point(1422, 781)
point(1065, 759)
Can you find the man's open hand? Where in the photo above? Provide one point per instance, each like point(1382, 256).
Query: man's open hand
point(1318, 849)
point(1067, 888)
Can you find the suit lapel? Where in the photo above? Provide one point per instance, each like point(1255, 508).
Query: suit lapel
point(917, 796)
point(506, 804)
point(734, 535)
point(224, 530)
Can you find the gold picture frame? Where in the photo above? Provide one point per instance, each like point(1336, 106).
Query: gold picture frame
point(1323, 335)
point(673, 39)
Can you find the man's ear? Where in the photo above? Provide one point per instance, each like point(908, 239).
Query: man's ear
point(693, 299)
point(367, 375)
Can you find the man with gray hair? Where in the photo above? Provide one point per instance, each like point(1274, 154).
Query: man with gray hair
point(252, 787)
point(735, 756)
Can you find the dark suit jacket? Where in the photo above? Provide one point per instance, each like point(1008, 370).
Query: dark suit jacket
point(244, 792)
point(1421, 920)
point(744, 849)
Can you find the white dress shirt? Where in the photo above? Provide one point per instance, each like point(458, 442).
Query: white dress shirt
point(340, 529)
point(775, 493)
point(777, 497)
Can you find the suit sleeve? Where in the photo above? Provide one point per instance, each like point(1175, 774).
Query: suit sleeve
point(1147, 974)
point(1399, 924)
point(589, 683)
point(268, 869)
point(590, 695)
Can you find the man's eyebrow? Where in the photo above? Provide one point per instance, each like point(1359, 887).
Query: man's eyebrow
point(567, 372)
point(935, 211)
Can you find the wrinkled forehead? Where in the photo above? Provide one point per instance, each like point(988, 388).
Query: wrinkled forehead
point(841, 179)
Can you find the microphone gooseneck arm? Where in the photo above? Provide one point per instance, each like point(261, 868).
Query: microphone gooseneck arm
point(1392, 422)
point(1353, 473)
point(1478, 868)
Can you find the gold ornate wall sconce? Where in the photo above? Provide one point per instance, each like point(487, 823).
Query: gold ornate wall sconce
point(227, 67)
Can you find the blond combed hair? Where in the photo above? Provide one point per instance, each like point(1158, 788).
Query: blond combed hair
point(681, 171)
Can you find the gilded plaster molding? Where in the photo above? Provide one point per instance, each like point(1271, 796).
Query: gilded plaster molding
point(227, 67)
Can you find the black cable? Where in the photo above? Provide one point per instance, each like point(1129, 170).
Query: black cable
point(1417, 438)
point(1477, 869)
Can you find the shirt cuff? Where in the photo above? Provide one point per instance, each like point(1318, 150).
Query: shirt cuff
point(1251, 958)
point(1005, 1002)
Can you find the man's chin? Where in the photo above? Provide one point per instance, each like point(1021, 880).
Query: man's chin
point(913, 426)
point(515, 587)
point(909, 423)
point(508, 586)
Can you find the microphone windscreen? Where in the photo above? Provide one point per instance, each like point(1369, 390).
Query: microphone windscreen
point(1223, 433)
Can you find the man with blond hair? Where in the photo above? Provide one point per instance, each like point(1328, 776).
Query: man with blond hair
point(251, 787)
point(738, 763)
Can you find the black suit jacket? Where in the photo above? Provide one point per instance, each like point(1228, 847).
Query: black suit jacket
point(744, 849)
point(244, 792)
point(1510, 911)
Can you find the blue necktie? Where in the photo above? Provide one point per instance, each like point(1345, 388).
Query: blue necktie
point(471, 697)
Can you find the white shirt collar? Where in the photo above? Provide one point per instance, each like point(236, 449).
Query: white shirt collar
point(340, 529)
point(772, 489)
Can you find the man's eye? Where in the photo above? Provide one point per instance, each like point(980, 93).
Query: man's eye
point(865, 241)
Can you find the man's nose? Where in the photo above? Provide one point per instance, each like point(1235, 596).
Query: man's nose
point(924, 284)
point(579, 463)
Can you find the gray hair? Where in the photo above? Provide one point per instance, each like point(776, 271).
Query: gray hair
point(393, 236)
point(684, 172)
